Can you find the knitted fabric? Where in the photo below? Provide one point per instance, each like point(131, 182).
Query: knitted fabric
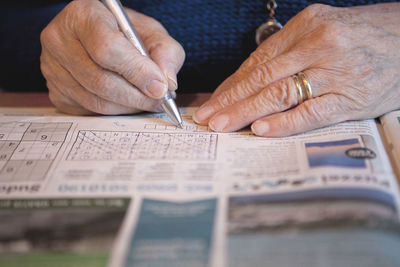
point(217, 35)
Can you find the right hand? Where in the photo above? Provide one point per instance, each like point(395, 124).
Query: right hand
point(91, 67)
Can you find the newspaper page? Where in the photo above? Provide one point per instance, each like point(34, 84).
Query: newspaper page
point(176, 180)
point(391, 125)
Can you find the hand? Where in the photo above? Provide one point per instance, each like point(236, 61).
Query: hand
point(350, 55)
point(91, 67)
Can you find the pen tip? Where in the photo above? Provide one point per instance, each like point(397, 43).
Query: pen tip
point(180, 125)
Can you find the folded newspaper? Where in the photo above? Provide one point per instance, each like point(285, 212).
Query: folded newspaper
point(137, 191)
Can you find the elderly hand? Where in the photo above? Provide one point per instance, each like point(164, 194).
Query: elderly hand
point(91, 67)
point(352, 60)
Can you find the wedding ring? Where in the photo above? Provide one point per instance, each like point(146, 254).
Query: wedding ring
point(299, 89)
point(306, 84)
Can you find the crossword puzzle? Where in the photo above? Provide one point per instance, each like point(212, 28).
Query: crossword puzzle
point(28, 149)
point(116, 145)
point(193, 128)
point(188, 125)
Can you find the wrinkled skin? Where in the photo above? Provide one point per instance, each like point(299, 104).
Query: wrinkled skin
point(90, 67)
point(350, 55)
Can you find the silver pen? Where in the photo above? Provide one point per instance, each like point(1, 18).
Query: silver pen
point(168, 104)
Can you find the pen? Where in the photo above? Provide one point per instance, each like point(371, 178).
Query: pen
point(168, 104)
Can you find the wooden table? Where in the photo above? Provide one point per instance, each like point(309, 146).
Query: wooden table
point(42, 99)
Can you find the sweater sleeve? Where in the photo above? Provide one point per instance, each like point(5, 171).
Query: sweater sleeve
point(21, 23)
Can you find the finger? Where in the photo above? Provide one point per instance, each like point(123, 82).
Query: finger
point(65, 83)
point(96, 28)
point(106, 84)
point(283, 54)
point(312, 114)
point(265, 52)
point(169, 56)
point(64, 103)
point(260, 77)
point(59, 98)
point(167, 53)
point(277, 97)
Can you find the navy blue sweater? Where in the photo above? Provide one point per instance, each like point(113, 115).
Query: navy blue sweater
point(217, 35)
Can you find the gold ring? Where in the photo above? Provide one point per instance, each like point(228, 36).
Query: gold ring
point(299, 89)
point(306, 83)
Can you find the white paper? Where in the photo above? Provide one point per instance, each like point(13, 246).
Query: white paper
point(144, 154)
point(44, 154)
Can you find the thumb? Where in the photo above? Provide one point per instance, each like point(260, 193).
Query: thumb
point(166, 52)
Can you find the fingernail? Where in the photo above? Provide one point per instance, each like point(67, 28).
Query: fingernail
point(219, 123)
point(260, 127)
point(172, 83)
point(156, 88)
point(202, 114)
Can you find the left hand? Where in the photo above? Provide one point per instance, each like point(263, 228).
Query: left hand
point(352, 60)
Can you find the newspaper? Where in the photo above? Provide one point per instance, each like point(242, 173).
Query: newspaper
point(191, 191)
